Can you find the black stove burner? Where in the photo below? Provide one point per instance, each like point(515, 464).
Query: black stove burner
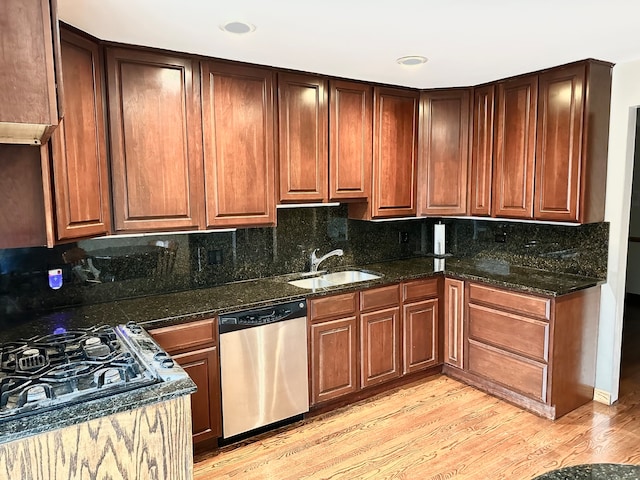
point(50, 371)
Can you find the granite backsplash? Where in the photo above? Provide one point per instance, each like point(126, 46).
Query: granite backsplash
point(209, 259)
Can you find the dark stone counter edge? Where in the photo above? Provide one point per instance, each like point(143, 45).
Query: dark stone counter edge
point(90, 410)
point(288, 296)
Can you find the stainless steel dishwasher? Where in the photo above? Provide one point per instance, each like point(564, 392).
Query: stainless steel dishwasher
point(263, 364)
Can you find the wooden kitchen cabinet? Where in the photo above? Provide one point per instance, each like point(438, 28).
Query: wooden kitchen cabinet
point(395, 147)
point(303, 138)
point(333, 347)
point(194, 346)
point(454, 322)
point(350, 140)
point(29, 83)
point(535, 351)
point(481, 170)
point(420, 325)
point(380, 356)
point(572, 137)
point(79, 150)
point(239, 145)
point(443, 152)
point(23, 216)
point(514, 149)
point(156, 141)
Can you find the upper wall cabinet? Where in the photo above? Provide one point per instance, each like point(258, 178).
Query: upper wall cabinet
point(444, 152)
point(482, 121)
point(572, 136)
point(350, 140)
point(23, 215)
point(395, 142)
point(515, 140)
point(239, 148)
point(156, 141)
point(28, 104)
point(551, 135)
point(303, 138)
point(80, 172)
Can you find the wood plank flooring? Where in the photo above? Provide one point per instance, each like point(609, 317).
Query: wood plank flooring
point(439, 429)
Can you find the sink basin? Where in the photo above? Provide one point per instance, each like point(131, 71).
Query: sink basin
point(311, 283)
point(348, 276)
point(334, 279)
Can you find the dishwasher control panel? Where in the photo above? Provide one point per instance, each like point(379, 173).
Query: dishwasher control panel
point(254, 318)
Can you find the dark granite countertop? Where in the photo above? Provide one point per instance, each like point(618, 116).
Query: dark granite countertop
point(597, 471)
point(160, 310)
point(88, 410)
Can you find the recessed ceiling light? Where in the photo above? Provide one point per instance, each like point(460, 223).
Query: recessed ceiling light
point(239, 28)
point(412, 60)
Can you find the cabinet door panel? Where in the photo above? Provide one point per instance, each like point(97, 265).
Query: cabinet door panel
point(514, 372)
point(377, 298)
point(454, 322)
point(420, 335)
point(444, 152)
point(22, 216)
point(559, 141)
point(515, 139)
point(482, 150)
point(202, 367)
point(380, 346)
point(79, 148)
point(350, 140)
point(497, 328)
point(303, 138)
point(333, 306)
point(333, 359)
point(27, 72)
point(238, 145)
point(155, 141)
point(395, 153)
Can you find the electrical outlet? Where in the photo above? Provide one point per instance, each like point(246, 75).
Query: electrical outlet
point(501, 237)
point(403, 237)
point(214, 257)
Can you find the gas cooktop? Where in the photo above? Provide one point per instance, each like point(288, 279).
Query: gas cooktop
point(51, 371)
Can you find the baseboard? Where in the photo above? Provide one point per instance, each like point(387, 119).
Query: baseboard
point(601, 396)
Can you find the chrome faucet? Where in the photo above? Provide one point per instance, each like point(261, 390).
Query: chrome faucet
point(315, 261)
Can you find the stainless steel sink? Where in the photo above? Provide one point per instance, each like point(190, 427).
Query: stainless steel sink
point(334, 279)
point(311, 283)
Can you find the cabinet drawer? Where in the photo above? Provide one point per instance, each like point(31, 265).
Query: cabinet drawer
point(377, 298)
point(333, 307)
point(419, 290)
point(516, 373)
point(512, 332)
point(187, 336)
point(538, 307)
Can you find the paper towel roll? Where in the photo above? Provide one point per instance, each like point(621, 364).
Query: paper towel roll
point(438, 239)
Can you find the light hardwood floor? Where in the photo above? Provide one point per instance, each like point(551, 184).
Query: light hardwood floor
point(438, 429)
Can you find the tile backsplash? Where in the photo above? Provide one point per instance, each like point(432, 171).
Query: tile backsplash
point(129, 267)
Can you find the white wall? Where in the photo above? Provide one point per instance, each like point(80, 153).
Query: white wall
point(625, 98)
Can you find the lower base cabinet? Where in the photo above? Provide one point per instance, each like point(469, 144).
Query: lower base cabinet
point(380, 359)
point(420, 325)
point(194, 346)
point(363, 339)
point(538, 352)
point(333, 347)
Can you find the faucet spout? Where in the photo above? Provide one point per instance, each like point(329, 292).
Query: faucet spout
point(315, 261)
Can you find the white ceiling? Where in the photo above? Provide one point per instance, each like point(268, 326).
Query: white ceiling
point(467, 42)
